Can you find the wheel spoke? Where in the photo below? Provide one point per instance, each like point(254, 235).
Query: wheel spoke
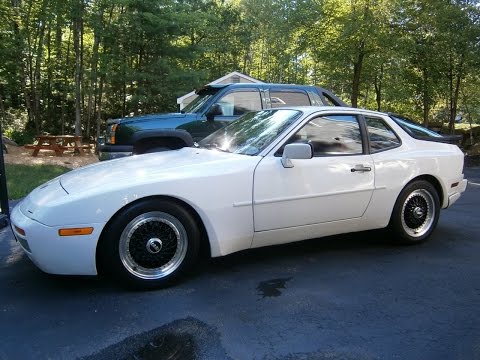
point(153, 245)
point(418, 213)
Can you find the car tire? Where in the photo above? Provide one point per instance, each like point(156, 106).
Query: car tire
point(416, 213)
point(150, 244)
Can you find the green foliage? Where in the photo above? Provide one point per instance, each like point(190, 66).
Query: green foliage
point(20, 137)
point(136, 57)
point(14, 127)
point(21, 179)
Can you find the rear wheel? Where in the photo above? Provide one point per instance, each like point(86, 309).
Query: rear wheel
point(416, 212)
point(151, 243)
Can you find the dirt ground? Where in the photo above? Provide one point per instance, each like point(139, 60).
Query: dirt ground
point(20, 155)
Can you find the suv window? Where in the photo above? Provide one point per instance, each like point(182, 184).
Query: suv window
point(288, 98)
point(381, 136)
point(240, 102)
point(331, 135)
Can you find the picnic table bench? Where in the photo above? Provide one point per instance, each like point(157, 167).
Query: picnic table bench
point(58, 143)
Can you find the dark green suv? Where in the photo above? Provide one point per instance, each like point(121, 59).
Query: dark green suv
point(214, 107)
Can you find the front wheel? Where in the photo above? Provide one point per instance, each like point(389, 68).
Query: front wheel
point(416, 213)
point(151, 243)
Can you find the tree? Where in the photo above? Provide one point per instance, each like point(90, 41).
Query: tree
point(459, 29)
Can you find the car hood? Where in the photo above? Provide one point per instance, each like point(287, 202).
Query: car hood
point(149, 168)
point(155, 117)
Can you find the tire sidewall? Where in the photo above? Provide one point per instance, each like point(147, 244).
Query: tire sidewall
point(396, 225)
point(111, 240)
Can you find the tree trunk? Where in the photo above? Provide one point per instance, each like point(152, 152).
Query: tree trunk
point(93, 78)
point(37, 78)
point(65, 85)
point(124, 89)
point(48, 95)
point(454, 94)
point(2, 109)
point(99, 108)
point(357, 71)
point(378, 88)
point(425, 98)
point(58, 64)
point(78, 60)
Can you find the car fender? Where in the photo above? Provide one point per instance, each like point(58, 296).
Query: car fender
point(170, 138)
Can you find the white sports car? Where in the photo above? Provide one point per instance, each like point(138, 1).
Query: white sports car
point(271, 177)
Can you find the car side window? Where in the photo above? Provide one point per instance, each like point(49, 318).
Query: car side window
point(331, 135)
point(240, 102)
point(288, 98)
point(381, 136)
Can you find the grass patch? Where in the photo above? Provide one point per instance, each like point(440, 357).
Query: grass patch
point(21, 179)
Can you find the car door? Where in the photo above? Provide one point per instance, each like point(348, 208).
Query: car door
point(336, 184)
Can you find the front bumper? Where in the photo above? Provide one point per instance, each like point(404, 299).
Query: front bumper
point(110, 152)
point(54, 254)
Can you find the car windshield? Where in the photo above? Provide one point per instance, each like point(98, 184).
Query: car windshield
point(202, 98)
point(251, 133)
point(197, 103)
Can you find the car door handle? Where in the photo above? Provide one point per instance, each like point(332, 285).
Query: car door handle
point(361, 168)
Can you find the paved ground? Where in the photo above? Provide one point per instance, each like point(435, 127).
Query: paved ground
point(344, 297)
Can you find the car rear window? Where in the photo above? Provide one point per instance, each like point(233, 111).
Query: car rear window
point(414, 129)
point(381, 136)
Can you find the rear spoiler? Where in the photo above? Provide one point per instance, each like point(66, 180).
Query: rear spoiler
point(449, 139)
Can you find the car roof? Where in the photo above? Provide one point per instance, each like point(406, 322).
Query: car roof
point(343, 109)
point(259, 85)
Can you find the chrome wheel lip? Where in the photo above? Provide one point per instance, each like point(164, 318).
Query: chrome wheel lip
point(429, 212)
point(176, 260)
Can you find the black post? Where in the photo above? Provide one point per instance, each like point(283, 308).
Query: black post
point(5, 213)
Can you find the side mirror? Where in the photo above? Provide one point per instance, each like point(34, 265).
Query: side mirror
point(215, 110)
point(296, 151)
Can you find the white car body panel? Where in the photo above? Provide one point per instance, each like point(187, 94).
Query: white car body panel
point(289, 197)
point(54, 254)
point(226, 214)
point(243, 201)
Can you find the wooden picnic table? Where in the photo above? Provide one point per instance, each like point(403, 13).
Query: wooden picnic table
point(58, 143)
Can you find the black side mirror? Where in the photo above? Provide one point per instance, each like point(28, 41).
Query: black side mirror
point(215, 110)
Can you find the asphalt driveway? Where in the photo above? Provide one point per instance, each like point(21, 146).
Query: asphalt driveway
point(344, 297)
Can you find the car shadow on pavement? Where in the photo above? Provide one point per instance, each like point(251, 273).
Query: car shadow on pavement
point(352, 242)
point(22, 274)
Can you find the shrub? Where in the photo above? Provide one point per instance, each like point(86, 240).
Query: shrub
point(21, 137)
